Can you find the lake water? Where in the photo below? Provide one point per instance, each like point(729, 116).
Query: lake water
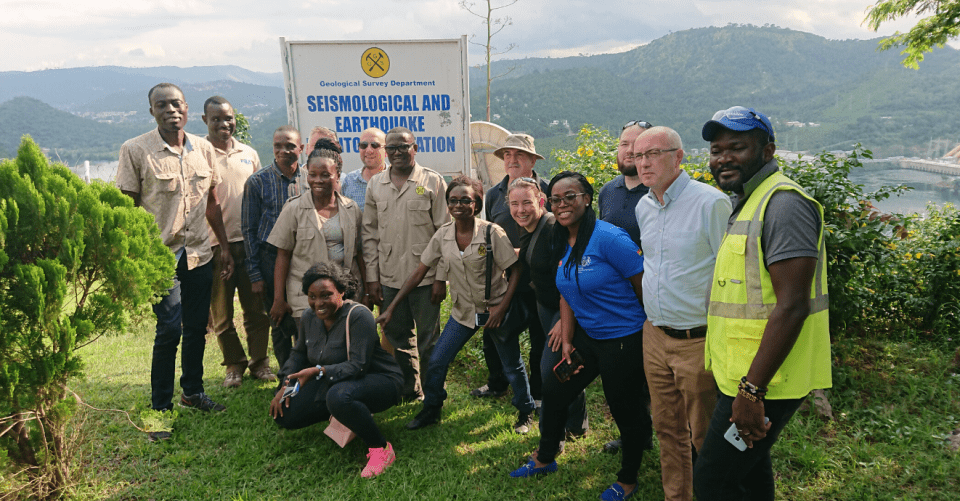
point(924, 184)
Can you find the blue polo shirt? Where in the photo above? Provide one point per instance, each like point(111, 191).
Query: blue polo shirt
point(605, 303)
point(617, 205)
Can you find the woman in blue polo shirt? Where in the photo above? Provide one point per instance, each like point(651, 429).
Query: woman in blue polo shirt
point(599, 275)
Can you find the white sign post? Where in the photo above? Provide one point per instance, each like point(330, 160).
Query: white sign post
point(348, 86)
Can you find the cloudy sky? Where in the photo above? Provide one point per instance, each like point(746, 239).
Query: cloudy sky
point(41, 34)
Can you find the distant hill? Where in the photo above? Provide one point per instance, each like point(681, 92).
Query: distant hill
point(848, 89)
point(65, 136)
point(840, 91)
point(71, 88)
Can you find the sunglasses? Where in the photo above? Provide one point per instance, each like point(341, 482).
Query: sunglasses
point(460, 201)
point(402, 148)
point(568, 198)
point(638, 123)
point(364, 145)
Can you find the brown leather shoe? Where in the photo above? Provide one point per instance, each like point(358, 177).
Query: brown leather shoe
point(234, 376)
point(262, 371)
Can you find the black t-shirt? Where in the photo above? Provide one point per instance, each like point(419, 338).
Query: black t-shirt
point(543, 268)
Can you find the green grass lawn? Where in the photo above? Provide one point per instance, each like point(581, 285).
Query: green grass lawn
point(894, 405)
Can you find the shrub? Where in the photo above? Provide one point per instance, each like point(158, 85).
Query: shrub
point(595, 156)
point(74, 260)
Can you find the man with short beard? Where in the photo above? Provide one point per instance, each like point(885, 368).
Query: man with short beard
point(236, 162)
point(768, 328)
point(619, 197)
point(617, 201)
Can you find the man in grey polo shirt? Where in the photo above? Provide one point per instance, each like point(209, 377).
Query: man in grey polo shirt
point(682, 222)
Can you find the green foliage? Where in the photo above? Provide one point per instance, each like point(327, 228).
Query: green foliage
point(930, 32)
point(930, 257)
point(74, 260)
point(242, 131)
point(595, 156)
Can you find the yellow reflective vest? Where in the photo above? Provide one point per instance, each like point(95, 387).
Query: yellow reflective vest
point(742, 299)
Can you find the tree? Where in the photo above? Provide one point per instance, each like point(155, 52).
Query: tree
point(242, 131)
point(494, 26)
point(934, 31)
point(75, 260)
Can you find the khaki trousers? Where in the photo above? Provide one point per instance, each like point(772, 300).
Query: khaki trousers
point(682, 398)
point(256, 323)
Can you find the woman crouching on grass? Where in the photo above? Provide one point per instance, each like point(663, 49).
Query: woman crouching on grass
point(599, 278)
point(461, 245)
point(342, 370)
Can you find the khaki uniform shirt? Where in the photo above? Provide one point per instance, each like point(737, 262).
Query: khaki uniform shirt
point(299, 230)
point(235, 166)
point(468, 273)
point(174, 188)
point(398, 224)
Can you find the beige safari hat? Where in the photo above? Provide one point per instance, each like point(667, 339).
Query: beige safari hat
point(522, 142)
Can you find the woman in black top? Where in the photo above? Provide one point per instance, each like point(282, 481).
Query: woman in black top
point(348, 378)
point(527, 206)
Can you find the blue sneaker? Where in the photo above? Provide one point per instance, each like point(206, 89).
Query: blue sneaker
point(530, 469)
point(616, 493)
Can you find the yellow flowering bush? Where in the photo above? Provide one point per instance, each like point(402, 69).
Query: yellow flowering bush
point(595, 156)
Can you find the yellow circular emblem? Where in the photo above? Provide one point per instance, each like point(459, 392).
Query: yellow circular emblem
point(482, 251)
point(421, 190)
point(375, 62)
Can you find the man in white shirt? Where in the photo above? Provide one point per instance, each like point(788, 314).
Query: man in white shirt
point(682, 222)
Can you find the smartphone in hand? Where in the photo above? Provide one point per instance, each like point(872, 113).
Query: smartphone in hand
point(290, 391)
point(733, 436)
point(482, 318)
point(565, 368)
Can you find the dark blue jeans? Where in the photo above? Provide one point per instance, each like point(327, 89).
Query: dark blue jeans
point(452, 339)
point(182, 313)
point(522, 316)
point(722, 472)
point(284, 333)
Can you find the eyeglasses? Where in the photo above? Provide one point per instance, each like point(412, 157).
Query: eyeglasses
point(638, 123)
point(460, 201)
point(402, 148)
point(568, 198)
point(364, 145)
point(651, 154)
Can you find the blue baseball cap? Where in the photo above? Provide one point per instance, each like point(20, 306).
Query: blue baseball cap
point(737, 119)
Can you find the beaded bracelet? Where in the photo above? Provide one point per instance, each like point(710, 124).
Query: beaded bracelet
point(751, 391)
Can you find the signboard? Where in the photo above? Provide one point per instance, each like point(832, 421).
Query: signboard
point(350, 86)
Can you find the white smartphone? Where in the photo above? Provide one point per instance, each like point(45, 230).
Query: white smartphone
point(733, 436)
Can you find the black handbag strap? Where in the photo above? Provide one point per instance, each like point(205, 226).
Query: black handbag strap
point(536, 235)
point(489, 250)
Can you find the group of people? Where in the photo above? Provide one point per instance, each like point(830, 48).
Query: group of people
point(704, 315)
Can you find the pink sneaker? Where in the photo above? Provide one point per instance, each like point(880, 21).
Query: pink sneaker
point(380, 459)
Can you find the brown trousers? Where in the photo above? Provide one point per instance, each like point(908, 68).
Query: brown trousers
point(256, 323)
point(682, 398)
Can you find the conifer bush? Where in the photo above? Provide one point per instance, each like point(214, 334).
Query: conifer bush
point(75, 261)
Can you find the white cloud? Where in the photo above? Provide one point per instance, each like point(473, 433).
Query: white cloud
point(61, 33)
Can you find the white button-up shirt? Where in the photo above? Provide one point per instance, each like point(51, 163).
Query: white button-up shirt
point(680, 239)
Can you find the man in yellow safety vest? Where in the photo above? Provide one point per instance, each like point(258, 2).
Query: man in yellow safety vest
point(768, 338)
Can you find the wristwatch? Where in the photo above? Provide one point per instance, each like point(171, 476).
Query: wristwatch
point(319, 368)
